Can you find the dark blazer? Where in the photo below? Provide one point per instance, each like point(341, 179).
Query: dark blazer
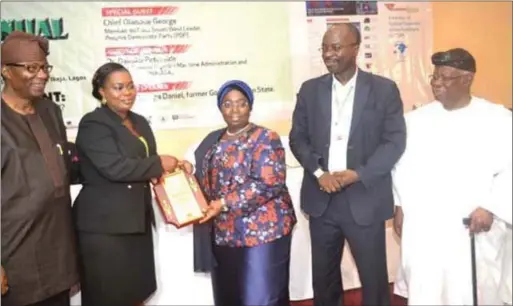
point(116, 196)
point(376, 142)
point(204, 259)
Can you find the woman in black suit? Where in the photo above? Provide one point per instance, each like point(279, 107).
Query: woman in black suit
point(113, 212)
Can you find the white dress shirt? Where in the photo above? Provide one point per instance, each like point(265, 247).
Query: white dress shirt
point(342, 101)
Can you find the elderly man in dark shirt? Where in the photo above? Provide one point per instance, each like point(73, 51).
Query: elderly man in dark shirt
point(38, 243)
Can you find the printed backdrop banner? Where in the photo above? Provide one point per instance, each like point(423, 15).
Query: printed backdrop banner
point(180, 53)
point(396, 41)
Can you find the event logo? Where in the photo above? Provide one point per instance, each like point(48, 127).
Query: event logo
point(400, 50)
point(396, 8)
point(401, 47)
point(51, 28)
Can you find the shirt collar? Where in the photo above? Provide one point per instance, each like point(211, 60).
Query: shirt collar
point(349, 84)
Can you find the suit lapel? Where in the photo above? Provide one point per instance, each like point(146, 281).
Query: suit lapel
point(361, 95)
point(324, 98)
point(144, 129)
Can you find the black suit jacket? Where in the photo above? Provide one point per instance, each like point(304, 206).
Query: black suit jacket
point(116, 196)
point(204, 259)
point(376, 142)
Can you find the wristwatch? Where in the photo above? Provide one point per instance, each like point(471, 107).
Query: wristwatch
point(318, 173)
point(224, 207)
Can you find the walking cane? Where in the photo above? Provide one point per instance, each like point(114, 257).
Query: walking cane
point(466, 222)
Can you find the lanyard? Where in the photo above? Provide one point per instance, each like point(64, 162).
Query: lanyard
point(340, 104)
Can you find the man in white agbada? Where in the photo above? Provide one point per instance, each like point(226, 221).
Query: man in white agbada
point(457, 164)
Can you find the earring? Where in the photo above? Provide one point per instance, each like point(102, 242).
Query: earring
point(104, 101)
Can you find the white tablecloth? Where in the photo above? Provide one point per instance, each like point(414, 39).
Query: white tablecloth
point(177, 284)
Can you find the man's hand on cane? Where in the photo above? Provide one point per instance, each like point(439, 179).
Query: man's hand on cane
point(480, 220)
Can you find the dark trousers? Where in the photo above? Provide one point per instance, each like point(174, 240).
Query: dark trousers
point(368, 247)
point(61, 299)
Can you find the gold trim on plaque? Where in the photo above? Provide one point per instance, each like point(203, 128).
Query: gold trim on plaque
point(178, 188)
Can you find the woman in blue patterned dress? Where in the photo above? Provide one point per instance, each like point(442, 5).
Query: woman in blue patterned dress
point(244, 239)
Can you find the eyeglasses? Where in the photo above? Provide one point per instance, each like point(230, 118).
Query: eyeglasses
point(238, 103)
point(443, 78)
point(335, 48)
point(34, 68)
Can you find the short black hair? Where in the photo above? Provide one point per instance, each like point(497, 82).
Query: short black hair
point(101, 75)
point(352, 29)
point(356, 33)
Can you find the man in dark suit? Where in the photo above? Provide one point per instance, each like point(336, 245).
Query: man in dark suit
point(348, 131)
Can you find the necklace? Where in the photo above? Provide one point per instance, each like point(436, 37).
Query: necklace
point(238, 132)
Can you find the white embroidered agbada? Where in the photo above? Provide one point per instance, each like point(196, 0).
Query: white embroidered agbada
point(455, 161)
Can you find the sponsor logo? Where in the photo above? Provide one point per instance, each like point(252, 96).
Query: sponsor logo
point(400, 48)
